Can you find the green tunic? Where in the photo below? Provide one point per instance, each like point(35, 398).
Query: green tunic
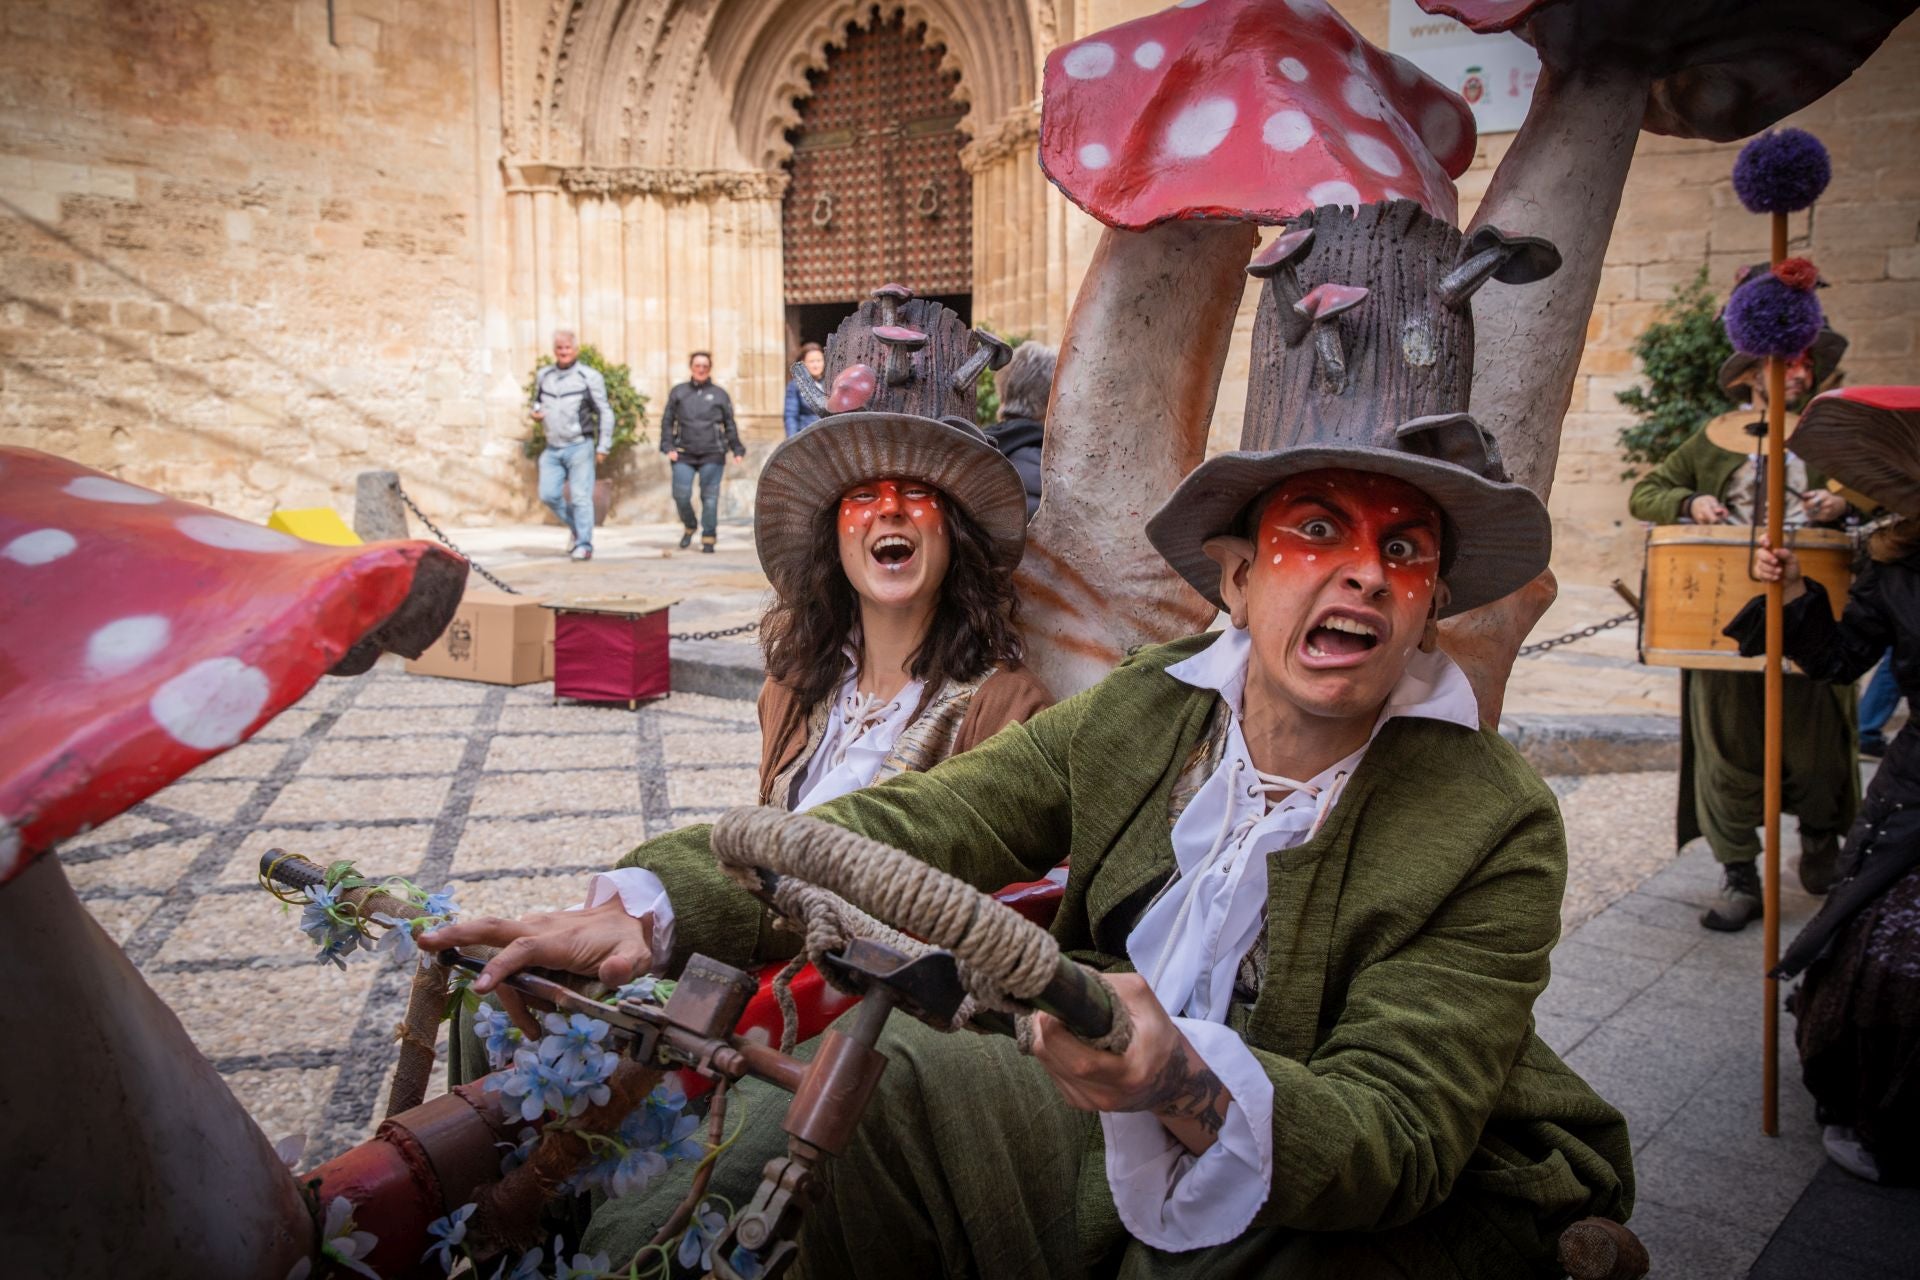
point(1407, 941)
point(1722, 738)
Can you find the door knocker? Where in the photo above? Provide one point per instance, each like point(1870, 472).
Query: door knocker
point(823, 210)
point(927, 203)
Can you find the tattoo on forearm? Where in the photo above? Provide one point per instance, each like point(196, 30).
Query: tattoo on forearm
point(1186, 1089)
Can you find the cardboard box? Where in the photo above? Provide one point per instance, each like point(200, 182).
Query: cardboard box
point(494, 638)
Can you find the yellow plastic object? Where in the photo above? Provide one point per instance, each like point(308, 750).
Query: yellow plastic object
point(315, 524)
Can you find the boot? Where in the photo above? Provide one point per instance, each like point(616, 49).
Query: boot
point(1739, 902)
point(706, 545)
point(686, 539)
point(1819, 864)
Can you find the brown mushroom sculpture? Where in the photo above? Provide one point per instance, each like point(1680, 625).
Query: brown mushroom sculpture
point(1256, 110)
point(1182, 131)
point(1715, 69)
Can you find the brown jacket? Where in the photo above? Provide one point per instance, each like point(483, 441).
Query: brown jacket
point(971, 712)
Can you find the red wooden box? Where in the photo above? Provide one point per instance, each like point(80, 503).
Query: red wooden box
point(610, 649)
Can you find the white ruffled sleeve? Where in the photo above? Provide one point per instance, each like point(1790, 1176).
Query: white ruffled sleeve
point(1168, 1197)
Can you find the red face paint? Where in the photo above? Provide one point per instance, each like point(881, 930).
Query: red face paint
point(916, 500)
point(893, 541)
point(1367, 526)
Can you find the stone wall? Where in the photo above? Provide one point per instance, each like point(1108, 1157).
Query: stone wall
point(239, 255)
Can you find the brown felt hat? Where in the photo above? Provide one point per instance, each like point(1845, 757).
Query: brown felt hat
point(902, 372)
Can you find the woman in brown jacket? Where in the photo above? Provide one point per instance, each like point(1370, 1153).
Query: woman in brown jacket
point(890, 531)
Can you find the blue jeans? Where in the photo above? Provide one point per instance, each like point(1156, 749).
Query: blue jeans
point(572, 465)
point(1878, 702)
point(710, 473)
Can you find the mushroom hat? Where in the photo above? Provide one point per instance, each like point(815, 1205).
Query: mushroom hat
point(1363, 359)
point(902, 374)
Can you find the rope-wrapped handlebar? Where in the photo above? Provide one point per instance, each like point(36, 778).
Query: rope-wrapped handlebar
point(840, 885)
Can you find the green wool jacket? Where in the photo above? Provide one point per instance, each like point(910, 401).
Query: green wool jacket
point(1697, 466)
point(1407, 941)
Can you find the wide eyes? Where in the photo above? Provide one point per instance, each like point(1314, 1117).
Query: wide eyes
point(1400, 549)
point(1319, 527)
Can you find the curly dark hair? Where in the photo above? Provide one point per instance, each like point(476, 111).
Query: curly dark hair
point(974, 622)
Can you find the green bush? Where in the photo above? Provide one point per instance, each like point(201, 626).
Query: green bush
point(986, 392)
point(629, 406)
point(1680, 354)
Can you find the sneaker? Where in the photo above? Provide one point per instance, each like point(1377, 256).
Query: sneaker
point(686, 540)
point(1739, 903)
point(583, 552)
point(1844, 1149)
point(1819, 864)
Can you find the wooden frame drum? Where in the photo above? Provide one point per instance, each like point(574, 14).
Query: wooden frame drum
point(1697, 578)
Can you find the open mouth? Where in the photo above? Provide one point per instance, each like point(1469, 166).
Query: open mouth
point(1341, 637)
point(892, 552)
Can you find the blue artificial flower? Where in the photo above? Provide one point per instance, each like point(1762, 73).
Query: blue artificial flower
point(681, 1142)
point(440, 905)
point(746, 1265)
point(516, 1156)
point(525, 1080)
point(341, 1244)
point(492, 1025)
point(527, 1268)
point(641, 988)
point(447, 1234)
point(399, 936)
point(696, 1246)
point(633, 1171)
point(581, 1268)
point(321, 920)
point(572, 1041)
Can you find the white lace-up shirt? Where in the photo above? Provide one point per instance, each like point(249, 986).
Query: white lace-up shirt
point(1189, 942)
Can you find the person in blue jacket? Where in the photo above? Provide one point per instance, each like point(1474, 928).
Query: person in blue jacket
point(799, 414)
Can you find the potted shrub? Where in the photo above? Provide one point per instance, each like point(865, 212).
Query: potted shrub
point(629, 415)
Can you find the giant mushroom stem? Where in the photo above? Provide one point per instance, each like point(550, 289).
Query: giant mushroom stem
point(1716, 69)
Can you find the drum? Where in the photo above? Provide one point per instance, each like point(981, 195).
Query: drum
point(1697, 579)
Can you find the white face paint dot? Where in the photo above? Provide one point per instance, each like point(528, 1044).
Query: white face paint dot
point(1149, 54)
point(1334, 193)
point(1361, 99)
point(1409, 595)
point(1276, 557)
point(42, 546)
point(1375, 154)
point(125, 643)
point(235, 535)
point(1201, 127)
point(101, 489)
point(1094, 156)
point(210, 704)
point(1287, 130)
point(1088, 61)
point(1313, 557)
point(1394, 510)
point(1293, 69)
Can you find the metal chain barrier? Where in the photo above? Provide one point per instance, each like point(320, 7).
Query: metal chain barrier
point(1581, 634)
point(436, 531)
point(744, 628)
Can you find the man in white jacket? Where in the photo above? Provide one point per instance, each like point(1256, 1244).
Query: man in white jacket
point(570, 400)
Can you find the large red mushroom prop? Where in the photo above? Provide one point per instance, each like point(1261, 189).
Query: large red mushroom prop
point(1867, 438)
point(139, 637)
point(1181, 131)
point(1715, 69)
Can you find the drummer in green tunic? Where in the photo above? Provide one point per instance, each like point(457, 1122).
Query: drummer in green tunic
point(1324, 891)
point(1722, 712)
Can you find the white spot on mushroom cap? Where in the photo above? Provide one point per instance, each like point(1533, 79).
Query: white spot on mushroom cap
point(1403, 71)
point(757, 1035)
point(235, 535)
point(1088, 61)
point(1287, 130)
point(1293, 69)
point(42, 546)
point(210, 704)
point(1362, 98)
point(1375, 154)
point(1440, 128)
point(1149, 54)
point(1334, 193)
point(1095, 156)
point(1201, 127)
point(101, 489)
point(125, 643)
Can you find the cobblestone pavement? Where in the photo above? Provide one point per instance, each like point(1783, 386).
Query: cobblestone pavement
point(512, 800)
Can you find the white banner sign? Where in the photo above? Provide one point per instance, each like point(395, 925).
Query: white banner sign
point(1494, 73)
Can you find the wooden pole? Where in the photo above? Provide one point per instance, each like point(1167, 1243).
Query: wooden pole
point(1775, 684)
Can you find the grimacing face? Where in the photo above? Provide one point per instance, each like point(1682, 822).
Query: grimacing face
point(1343, 578)
point(894, 541)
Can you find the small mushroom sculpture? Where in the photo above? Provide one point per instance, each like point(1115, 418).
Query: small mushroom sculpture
point(1254, 110)
point(1182, 132)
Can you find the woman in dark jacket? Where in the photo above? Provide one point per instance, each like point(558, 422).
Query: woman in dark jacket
point(1859, 1007)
